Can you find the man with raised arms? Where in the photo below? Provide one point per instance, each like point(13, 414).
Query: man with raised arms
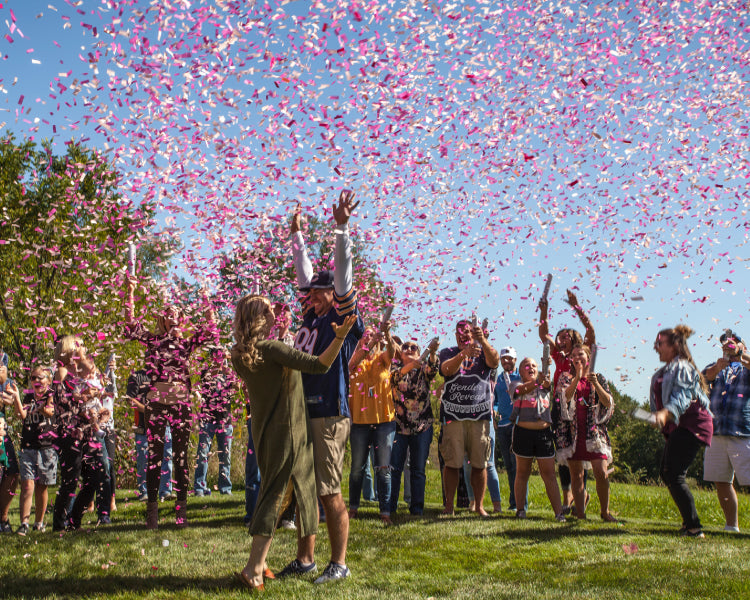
point(332, 298)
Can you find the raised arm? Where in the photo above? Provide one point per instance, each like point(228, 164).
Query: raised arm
point(302, 265)
point(331, 352)
point(130, 284)
point(342, 275)
point(544, 335)
point(491, 356)
point(590, 338)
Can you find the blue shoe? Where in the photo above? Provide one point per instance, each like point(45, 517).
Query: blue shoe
point(296, 568)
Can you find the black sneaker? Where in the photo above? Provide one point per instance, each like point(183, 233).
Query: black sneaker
point(23, 529)
point(296, 568)
point(698, 533)
point(5, 527)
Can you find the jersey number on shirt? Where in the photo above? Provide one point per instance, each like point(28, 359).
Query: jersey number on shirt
point(305, 340)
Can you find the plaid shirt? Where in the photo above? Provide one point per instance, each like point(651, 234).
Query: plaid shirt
point(730, 401)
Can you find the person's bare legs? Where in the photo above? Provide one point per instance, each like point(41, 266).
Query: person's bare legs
point(728, 502)
point(41, 499)
point(450, 481)
point(305, 545)
point(256, 563)
point(7, 491)
point(576, 485)
point(547, 471)
point(479, 485)
point(337, 521)
point(599, 467)
point(24, 504)
point(520, 485)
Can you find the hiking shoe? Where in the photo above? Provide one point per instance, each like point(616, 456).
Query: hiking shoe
point(5, 527)
point(40, 527)
point(334, 572)
point(296, 568)
point(23, 529)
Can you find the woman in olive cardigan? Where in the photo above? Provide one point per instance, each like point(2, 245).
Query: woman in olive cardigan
point(271, 372)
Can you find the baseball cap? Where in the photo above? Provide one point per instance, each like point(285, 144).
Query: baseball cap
point(508, 351)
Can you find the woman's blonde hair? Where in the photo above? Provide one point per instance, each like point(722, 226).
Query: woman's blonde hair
point(66, 346)
point(161, 327)
point(250, 327)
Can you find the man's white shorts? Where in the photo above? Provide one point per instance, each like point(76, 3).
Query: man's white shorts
point(726, 457)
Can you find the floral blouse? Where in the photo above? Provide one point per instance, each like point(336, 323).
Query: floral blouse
point(411, 396)
point(597, 417)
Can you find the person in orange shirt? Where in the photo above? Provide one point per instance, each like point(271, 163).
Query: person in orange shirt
point(373, 416)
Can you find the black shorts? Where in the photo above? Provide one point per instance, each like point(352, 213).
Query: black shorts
point(533, 443)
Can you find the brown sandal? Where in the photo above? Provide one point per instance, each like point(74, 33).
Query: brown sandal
point(242, 578)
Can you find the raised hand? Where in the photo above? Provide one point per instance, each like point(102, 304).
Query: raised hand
point(342, 330)
point(296, 223)
point(572, 299)
point(345, 207)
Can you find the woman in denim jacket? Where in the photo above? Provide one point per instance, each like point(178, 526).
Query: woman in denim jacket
point(680, 406)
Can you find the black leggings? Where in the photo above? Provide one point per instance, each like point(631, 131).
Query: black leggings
point(177, 417)
point(680, 451)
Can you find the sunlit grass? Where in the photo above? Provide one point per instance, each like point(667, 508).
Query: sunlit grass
point(461, 557)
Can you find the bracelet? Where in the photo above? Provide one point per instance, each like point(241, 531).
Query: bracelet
point(340, 338)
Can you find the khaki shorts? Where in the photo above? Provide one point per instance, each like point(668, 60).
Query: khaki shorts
point(329, 437)
point(726, 457)
point(470, 438)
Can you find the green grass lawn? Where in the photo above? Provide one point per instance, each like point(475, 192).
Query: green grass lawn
point(429, 557)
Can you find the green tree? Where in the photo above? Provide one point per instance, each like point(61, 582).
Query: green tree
point(64, 234)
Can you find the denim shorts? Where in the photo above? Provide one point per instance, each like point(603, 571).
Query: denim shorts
point(39, 465)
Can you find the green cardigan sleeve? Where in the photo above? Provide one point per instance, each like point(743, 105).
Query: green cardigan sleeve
point(289, 357)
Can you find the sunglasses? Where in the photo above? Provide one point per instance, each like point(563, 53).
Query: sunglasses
point(38, 378)
point(409, 348)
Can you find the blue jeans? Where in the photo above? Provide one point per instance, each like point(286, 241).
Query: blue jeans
point(252, 477)
point(504, 436)
point(369, 492)
point(380, 437)
point(493, 482)
point(141, 461)
point(418, 447)
point(223, 433)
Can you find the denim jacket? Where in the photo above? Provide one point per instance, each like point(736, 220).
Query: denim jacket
point(680, 387)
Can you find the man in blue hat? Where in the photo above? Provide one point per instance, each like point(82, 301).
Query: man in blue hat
point(331, 299)
point(729, 452)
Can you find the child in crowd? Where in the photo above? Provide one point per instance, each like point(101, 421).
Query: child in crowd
point(38, 458)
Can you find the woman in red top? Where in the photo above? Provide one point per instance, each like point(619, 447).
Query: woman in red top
point(586, 407)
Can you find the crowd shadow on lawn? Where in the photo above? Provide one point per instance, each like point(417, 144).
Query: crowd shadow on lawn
point(72, 587)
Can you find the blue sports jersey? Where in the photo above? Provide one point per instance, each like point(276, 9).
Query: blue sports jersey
point(327, 395)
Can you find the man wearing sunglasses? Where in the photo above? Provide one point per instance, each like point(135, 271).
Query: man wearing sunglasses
point(729, 452)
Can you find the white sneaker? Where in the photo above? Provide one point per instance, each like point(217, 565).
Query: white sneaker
point(732, 528)
point(287, 524)
point(333, 572)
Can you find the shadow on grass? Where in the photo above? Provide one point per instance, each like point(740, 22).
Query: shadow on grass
point(72, 587)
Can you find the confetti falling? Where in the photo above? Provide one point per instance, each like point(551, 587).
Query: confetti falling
point(490, 144)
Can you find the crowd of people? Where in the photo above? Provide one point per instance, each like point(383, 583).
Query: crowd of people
point(338, 382)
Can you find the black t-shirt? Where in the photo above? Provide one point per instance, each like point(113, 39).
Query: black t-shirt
point(139, 384)
point(38, 428)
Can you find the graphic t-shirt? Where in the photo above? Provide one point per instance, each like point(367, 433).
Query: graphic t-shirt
point(467, 395)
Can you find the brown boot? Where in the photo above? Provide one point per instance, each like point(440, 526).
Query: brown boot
point(180, 509)
point(152, 515)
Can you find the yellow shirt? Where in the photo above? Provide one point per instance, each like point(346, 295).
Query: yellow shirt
point(370, 400)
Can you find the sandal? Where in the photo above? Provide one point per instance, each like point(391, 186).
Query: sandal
point(242, 578)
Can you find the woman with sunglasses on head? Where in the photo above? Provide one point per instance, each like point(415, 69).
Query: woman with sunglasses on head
point(680, 406)
point(410, 381)
point(168, 400)
point(586, 407)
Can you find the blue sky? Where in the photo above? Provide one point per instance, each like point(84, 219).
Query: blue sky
point(490, 145)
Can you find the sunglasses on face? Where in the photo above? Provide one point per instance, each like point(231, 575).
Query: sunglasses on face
point(38, 378)
point(409, 348)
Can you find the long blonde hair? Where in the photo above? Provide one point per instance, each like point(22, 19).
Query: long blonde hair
point(250, 327)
